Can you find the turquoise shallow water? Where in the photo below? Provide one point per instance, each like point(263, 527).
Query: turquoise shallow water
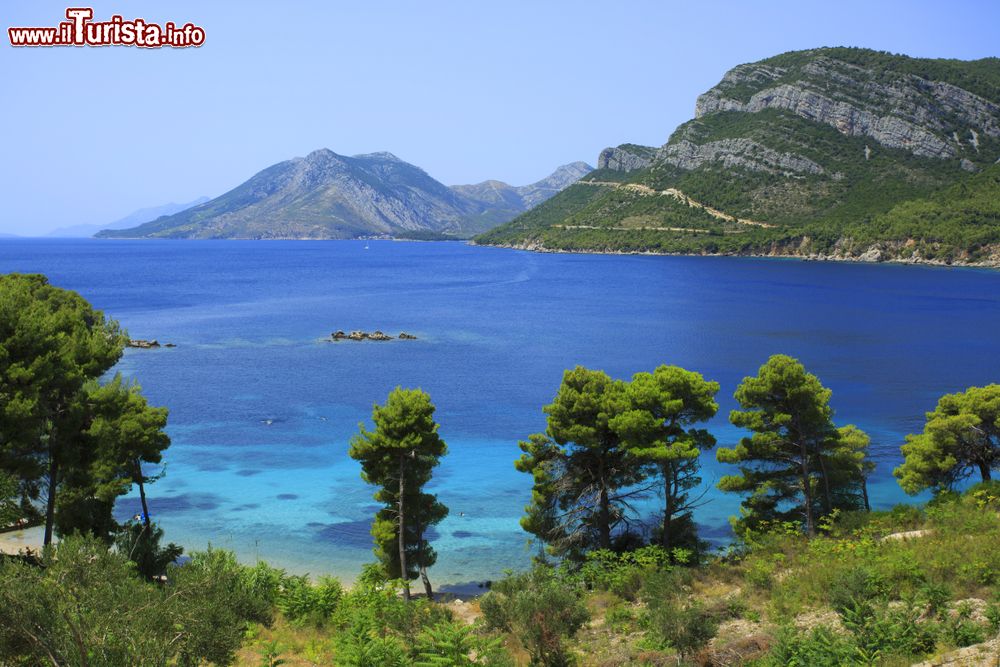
point(262, 409)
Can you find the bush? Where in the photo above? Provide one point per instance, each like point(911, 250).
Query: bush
point(541, 609)
point(882, 631)
point(685, 626)
point(216, 605)
point(623, 573)
point(451, 644)
point(86, 605)
point(141, 545)
point(303, 602)
point(819, 648)
point(960, 630)
point(858, 585)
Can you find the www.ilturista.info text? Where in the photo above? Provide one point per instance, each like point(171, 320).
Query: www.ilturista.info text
point(81, 30)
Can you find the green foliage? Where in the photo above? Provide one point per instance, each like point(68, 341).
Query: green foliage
point(658, 428)
point(819, 648)
point(270, 655)
point(685, 624)
point(303, 602)
point(541, 609)
point(217, 603)
point(624, 573)
point(605, 439)
point(85, 605)
point(796, 457)
point(451, 644)
point(141, 545)
point(582, 472)
point(882, 631)
point(398, 456)
point(10, 508)
point(961, 436)
point(52, 345)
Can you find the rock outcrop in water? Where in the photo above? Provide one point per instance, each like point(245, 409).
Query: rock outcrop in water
point(376, 335)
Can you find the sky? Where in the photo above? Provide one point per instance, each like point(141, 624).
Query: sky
point(468, 90)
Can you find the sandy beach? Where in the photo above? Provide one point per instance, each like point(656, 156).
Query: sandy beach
point(16, 541)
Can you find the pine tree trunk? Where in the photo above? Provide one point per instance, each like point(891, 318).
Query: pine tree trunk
point(604, 508)
point(668, 511)
point(142, 494)
point(605, 519)
point(827, 500)
point(50, 505)
point(427, 582)
point(402, 533)
point(864, 493)
point(984, 470)
point(807, 493)
point(422, 550)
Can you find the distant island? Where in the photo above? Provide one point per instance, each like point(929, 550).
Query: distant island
point(831, 153)
point(329, 196)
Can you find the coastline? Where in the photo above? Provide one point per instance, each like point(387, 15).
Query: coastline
point(861, 259)
point(14, 542)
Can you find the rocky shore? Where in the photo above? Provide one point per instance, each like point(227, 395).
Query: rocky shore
point(872, 256)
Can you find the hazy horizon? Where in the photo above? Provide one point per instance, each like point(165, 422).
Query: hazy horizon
point(466, 91)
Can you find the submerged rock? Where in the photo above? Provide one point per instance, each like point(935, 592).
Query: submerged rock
point(405, 336)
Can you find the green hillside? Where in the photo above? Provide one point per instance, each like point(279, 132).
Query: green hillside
point(817, 146)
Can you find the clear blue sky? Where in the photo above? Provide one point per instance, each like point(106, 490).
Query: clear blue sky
point(467, 90)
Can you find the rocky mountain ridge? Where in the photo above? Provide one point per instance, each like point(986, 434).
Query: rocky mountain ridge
point(818, 144)
point(326, 195)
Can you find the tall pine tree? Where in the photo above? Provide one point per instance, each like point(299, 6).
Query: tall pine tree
point(797, 464)
point(398, 456)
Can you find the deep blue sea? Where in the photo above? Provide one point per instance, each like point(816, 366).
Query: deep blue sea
point(262, 409)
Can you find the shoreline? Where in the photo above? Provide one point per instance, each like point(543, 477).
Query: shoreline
point(537, 247)
point(13, 542)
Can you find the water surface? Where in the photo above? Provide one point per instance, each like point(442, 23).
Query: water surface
point(262, 409)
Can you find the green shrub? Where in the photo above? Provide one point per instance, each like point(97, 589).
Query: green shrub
point(623, 573)
point(858, 585)
point(685, 625)
point(960, 630)
point(141, 545)
point(541, 609)
point(451, 644)
point(303, 602)
point(819, 648)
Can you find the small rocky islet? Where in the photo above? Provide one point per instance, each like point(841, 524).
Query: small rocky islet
point(147, 344)
point(364, 335)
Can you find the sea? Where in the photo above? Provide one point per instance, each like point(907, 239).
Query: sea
point(263, 405)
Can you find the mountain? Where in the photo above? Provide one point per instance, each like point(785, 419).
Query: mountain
point(131, 220)
point(329, 196)
point(809, 153)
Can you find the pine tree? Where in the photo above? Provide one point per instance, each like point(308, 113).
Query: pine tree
point(584, 476)
point(961, 437)
point(398, 456)
point(797, 464)
point(52, 343)
point(658, 429)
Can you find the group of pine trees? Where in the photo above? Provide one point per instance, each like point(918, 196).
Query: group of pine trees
point(69, 445)
point(609, 443)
